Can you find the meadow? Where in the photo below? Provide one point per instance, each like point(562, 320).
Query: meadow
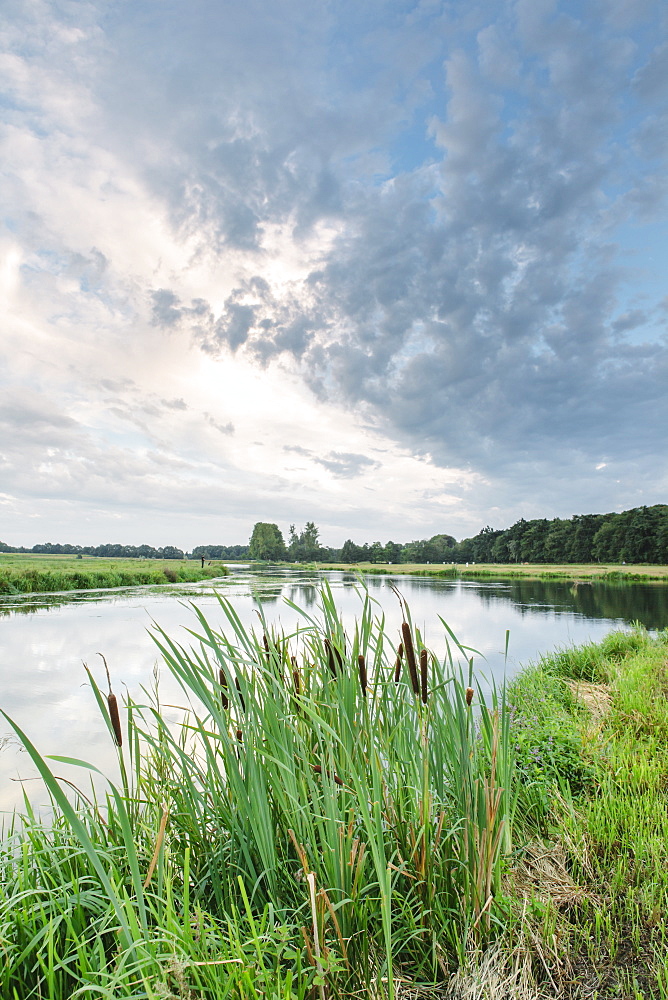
point(25, 573)
point(340, 814)
point(543, 571)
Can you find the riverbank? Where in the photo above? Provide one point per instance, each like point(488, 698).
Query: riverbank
point(590, 731)
point(31, 574)
point(264, 851)
point(542, 571)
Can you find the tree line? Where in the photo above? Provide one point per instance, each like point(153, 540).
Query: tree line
point(111, 551)
point(639, 535)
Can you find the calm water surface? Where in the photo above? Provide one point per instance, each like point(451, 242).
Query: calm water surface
point(44, 642)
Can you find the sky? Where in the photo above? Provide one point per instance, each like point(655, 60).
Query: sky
point(395, 267)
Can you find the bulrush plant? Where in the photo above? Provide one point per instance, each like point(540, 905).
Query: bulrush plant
point(301, 762)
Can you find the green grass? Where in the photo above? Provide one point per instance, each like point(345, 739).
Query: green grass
point(317, 829)
point(28, 574)
point(599, 787)
point(318, 832)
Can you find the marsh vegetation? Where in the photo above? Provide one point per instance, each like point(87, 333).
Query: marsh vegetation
point(337, 815)
point(30, 574)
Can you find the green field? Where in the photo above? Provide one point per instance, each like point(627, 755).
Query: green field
point(341, 819)
point(29, 574)
point(543, 571)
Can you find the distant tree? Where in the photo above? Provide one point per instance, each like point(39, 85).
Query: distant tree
point(266, 542)
point(220, 552)
point(392, 552)
point(483, 543)
point(641, 536)
point(171, 552)
point(532, 544)
point(581, 543)
point(376, 553)
point(441, 547)
point(350, 553)
point(608, 540)
point(557, 540)
point(305, 546)
point(309, 540)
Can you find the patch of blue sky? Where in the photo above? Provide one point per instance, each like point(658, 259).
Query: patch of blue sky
point(412, 148)
point(643, 251)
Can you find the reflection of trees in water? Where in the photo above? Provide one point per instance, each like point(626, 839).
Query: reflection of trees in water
point(30, 605)
point(644, 602)
point(303, 594)
point(266, 593)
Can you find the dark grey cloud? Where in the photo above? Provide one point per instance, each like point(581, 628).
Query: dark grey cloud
point(169, 312)
point(342, 465)
point(476, 304)
point(166, 307)
point(347, 465)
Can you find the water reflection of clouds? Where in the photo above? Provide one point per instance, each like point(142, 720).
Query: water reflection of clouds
point(45, 689)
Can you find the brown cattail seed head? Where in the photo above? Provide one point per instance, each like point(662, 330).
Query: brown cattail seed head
point(115, 718)
point(397, 663)
point(222, 680)
point(363, 675)
point(423, 675)
point(469, 695)
point(410, 656)
point(295, 675)
point(334, 658)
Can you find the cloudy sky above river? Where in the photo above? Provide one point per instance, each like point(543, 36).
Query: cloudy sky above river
point(395, 267)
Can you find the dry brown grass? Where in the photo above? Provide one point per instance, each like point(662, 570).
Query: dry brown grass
point(595, 698)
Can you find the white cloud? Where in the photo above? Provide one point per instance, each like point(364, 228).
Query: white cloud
point(209, 263)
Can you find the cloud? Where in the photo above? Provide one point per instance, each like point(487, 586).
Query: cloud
point(426, 219)
point(227, 428)
point(474, 304)
point(344, 465)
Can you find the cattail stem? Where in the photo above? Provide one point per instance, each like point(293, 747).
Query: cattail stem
point(363, 674)
point(410, 657)
point(310, 878)
point(241, 697)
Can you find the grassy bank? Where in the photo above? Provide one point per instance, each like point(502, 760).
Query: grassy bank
point(30, 574)
point(542, 571)
point(590, 728)
point(337, 819)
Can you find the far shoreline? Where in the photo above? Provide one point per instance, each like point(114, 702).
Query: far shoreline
point(606, 573)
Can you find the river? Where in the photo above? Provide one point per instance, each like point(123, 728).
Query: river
point(45, 639)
